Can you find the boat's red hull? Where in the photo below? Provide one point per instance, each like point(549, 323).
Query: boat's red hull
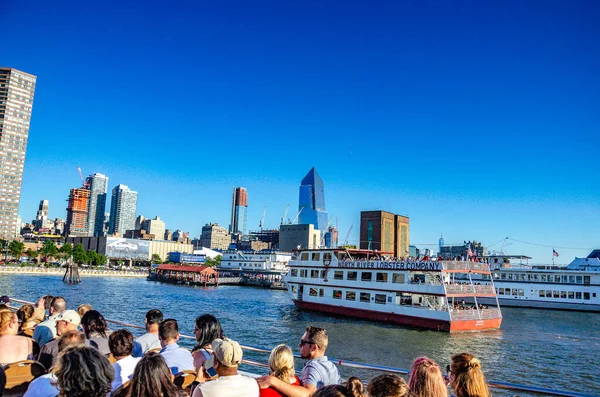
point(419, 322)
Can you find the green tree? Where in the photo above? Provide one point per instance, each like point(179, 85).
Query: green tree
point(49, 249)
point(156, 259)
point(31, 254)
point(214, 262)
point(92, 257)
point(66, 250)
point(79, 254)
point(16, 248)
point(100, 260)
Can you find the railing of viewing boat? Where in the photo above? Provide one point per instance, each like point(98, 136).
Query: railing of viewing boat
point(466, 266)
point(470, 289)
point(366, 366)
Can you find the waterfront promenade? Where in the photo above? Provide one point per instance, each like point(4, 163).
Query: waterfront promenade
point(82, 271)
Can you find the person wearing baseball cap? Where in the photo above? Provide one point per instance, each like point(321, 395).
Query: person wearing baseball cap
point(227, 356)
point(68, 320)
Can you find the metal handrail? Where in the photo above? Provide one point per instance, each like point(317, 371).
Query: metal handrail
point(359, 365)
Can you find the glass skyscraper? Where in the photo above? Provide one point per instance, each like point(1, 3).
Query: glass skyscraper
point(98, 185)
point(239, 205)
point(16, 100)
point(123, 207)
point(312, 201)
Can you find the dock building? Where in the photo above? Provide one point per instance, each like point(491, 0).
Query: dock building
point(16, 95)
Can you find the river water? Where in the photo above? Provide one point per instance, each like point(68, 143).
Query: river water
point(544, 348)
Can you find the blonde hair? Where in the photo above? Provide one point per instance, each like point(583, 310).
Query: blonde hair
point(6, 317)
point(468, 379)
point(281, 362)
point(82, 309)
point(388, 385)
point(426, 379)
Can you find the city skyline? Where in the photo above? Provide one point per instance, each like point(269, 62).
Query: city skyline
point(476, 121)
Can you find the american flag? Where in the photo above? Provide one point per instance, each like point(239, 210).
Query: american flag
point(554, 253)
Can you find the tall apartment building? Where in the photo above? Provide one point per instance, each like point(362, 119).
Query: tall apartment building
point(41, 218)
point(98, 185)
point(239, 207)
point(384, 232)
point(215, 237)
point(154, 226)
point(311, 201)
point(123, 206)
point(16, 101)
point(77, 213)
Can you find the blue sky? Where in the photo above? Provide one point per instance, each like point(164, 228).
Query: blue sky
point(476, 119)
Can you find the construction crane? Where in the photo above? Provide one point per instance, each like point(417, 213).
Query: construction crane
point(84, 184)
point(287, 207)
point(262, 220)
point(347, 235)
point(297, 215)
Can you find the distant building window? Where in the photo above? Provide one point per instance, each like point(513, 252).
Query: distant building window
point(366, 276)
point(352, 276)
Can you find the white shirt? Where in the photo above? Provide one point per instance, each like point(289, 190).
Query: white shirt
point(228, 386)
point(42, 387)
point(124, 370)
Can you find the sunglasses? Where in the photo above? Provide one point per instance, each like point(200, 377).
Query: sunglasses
point(305, 342)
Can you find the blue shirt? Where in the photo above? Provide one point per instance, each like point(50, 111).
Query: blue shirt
point(178, 359)
point(320, 372)
point(45, 331)
point(145, 343)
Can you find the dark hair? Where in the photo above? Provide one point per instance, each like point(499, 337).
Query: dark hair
point(70, 338)
point(154, 316)
point(83, 371)
point(168, 329)
point(47, 301)
point(152, 378)
point(318, 336)
point(120, 343)
point(388, 385)
point(93, 321)
point(210, 329)
point(352, 388)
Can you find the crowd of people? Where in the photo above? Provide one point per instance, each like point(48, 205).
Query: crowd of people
point(84, 358)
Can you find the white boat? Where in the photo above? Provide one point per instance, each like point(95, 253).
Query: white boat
point(370, 285)
point(572, 287)
point(255, 261)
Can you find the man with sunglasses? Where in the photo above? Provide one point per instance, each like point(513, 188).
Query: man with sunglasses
point(317, 372)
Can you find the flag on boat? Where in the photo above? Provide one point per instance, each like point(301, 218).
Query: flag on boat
point(469, 252)
point(554, 253)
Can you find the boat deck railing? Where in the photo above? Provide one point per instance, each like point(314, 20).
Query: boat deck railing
point(470, 289)
point(466, 266)
point(472, 314)
point(365, 366)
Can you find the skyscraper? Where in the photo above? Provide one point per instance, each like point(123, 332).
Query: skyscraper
point(98, 185)
point(312, 201)
point(16, 100)
point(123, 206)
point(77, 212)
point(384, 232)
point(41, 218)
point(239, 205)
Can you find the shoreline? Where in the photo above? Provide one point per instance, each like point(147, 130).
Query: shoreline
point(61, 272)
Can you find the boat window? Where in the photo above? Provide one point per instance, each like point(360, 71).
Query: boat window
point(389, 299)
point(563, 294)
point(503, 276)
point(579, 279)
point(536, 277)
point(548, 293)
point(366, 276)
point(381, 278)
point(500, 291)
point(338, 275)
point(313, 292)
point(514, 292)
point(314, 274)
point(557, 279)
point(398, 278)
point(542, 293)
point(522, 276)
point(352, 276)
point(316, 256)
point(572, 279)
point(571, 295)
point(577, 295)
point(350, 295)
point(564, 279)
point(322, 272)
point(544, 278)
point(586, 295)
point(365, 297)
point(555, 295)
point(303, 272)
point(294, 289)
point(586, 280)
point(321, 292)
point(304, 256)
point(337, 294)
point(380, 299)
point(294, 272)
point(521, 292)
point(496, 276)
point(510, 276)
